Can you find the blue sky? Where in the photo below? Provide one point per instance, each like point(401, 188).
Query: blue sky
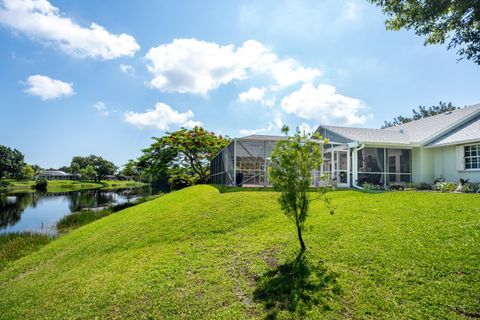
point(103, 77)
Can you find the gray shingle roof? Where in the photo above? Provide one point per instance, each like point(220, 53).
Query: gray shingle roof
point(419, 131)
point(365, 135)
point(468, 132)
point(262, 137)
point(423, 129)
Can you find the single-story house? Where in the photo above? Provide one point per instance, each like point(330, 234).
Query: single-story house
point(56, 175)
point(445, 146)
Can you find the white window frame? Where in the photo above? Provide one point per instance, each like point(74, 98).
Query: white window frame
point(477, 156)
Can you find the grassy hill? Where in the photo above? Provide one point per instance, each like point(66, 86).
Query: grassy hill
point(196, 254)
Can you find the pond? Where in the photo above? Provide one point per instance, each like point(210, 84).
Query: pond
point(39, 212)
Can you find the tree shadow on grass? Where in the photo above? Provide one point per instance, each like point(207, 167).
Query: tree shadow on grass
point(296, 287)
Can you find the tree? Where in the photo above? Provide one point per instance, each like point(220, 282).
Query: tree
point(438, 21)
point(11, 162)
point(187, 149)
point(88, 173)
point(422, 112)
point(26, 173)
point(131, 169)
point(101, 166)
point(293, 161)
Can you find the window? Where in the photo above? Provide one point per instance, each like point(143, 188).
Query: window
point(472, 156)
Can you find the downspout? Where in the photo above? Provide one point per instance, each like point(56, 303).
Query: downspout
point(355, 167)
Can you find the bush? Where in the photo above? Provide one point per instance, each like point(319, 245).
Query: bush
point(473, 187)
point(41, 185)
point(372, 187)
point(441, 186)
point(396, 187)
point(423, 186)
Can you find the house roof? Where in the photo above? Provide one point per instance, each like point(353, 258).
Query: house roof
point(53, 173)
point(455, 126)
point(261, 137)
point(468, 132)
point(425, 129)
point(366, 135)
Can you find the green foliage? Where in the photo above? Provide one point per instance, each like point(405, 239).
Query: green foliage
point(190, 150)
point(11, 162)
point(372, 187)
point(293, 161)
point(196, 253)
point(100, 166)
point(438, 21)
point(180, 178)
point(16, 245)
point(41, 185)
point(26, 173)
point(422, 112)
point(131, 169)
point(88, 173)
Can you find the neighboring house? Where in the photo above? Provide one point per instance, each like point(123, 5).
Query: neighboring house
point(445, 146)
point(56, 175)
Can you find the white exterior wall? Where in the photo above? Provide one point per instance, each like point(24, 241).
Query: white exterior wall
point(422, 165)
point(446, 165)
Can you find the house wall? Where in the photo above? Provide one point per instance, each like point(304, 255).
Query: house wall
point(446, 166)
point(423, 167)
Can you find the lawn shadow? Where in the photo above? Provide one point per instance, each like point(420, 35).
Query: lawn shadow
point(296, 287)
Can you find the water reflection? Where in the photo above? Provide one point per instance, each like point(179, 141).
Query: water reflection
point(39, 212)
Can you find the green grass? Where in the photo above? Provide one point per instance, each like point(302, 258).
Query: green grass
point(16, 245)
point(81, 218)
point(67, 185)
point(196, 253)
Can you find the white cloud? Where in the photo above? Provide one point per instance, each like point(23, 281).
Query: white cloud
point(252, 94)
point(40, 20)
point(47, 88)
point(324, 105)
point(101, 108)
point(162, 117)
point(305, 128)
point(194, 66)
point(127, 69)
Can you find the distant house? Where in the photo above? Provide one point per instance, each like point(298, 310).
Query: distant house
point(56, 175)
point(445, 146)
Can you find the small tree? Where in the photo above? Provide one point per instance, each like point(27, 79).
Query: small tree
point(293, 161)
point(88, 173)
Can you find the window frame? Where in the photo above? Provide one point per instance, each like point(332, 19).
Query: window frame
point(477, 156)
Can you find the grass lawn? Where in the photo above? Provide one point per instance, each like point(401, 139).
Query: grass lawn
point(16, 245)
point(196, 253)
point(69, 185)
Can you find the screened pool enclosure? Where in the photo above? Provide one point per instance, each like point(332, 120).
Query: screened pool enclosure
point(245, 162)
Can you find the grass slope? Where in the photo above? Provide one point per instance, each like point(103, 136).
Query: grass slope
point(197, 254)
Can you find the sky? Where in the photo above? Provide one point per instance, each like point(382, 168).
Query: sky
point(104, 77)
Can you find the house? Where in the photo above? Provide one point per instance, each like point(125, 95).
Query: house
point(56, 175)
point(445, 146)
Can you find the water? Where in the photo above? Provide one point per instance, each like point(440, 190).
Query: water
point(39, 212)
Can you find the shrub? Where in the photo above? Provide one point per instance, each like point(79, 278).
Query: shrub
point(441, 186)
point(41, 185)
point(372, 187)
point(451, 186)
point(472, 187)
point(423, 186)
point(396, 187)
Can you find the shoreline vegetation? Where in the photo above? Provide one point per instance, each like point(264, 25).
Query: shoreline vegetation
point(15, 245)
point(13, 186)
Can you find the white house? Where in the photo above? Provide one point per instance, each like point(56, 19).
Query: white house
point(446, 146)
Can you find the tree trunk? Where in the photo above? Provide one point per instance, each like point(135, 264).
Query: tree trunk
point(299, 232)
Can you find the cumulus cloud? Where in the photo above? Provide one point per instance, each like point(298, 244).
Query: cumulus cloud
point(324, 105)
point(47, 88)
point(194, 66)
point(101, 108)
point(350, 11)
point(162, 117)
point(256, 95)
point(127, 69)
point(40, 20)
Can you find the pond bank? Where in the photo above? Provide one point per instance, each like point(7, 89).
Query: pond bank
point(13, 186)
